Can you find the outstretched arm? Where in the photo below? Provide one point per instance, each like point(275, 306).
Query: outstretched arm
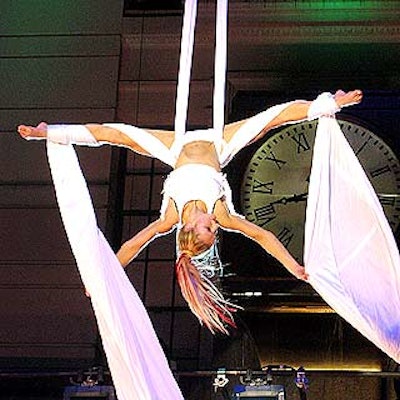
point(266, 239)
point(131, 248)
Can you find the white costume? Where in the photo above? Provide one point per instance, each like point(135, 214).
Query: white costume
point(201, 182)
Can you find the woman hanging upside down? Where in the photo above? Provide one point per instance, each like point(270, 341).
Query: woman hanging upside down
point(196, 195)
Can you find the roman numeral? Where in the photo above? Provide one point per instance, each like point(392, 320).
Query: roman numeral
point(380, 171)
point(302, 143)
point(285, 236)
point(276, 161)
point(262, 187)
point(264, 215)
point(361, 147)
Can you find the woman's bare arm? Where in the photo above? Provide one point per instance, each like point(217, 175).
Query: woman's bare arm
point(266, 239)
point(131, 248)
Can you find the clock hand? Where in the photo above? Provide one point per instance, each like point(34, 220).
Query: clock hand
point(298, 197)
point(291, 199)
point(295, 198)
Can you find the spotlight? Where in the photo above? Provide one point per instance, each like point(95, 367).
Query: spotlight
point(262, 392)
point(89, 385)
point(93, 392)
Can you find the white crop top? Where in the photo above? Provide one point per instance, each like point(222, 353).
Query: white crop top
point(196, 182)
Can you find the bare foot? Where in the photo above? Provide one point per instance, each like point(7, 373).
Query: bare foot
point(345, 99)
point(33, 132)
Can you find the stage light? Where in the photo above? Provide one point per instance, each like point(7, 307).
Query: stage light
point(91, 385)
point(262, 392)
point(89, 392)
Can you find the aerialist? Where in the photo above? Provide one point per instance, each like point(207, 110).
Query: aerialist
point(196, 195)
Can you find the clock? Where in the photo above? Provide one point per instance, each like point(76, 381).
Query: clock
point(275, 184)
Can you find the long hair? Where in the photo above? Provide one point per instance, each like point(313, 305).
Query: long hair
point(194, 270)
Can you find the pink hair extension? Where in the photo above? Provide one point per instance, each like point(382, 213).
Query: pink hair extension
point(203, 298)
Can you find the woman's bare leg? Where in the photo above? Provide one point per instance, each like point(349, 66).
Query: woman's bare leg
point(297, 111)
point(102, 134)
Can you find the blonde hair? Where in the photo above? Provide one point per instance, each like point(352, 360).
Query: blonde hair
point(203, 298)
point(189, 243)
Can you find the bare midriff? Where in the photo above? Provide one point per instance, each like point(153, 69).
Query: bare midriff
point(199, 152)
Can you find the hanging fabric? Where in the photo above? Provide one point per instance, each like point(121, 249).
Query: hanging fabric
point(350, 252)
point(220, 63)
point(185, 65)
point(137, 362)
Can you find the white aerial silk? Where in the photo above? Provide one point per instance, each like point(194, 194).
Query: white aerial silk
point(137, 362)
point(350, 252)
point(185, 66)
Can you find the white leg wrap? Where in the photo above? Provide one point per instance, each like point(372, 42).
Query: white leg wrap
point(35, 137)
point(323, 105)
point(71, 134)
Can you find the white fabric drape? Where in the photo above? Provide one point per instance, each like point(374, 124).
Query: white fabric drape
point(185, 66)
point(221, 44)
point(350, 252)
point(137, 363)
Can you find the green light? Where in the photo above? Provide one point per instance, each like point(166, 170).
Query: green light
point(319, 4)
point(329, 4)
point(340, 10)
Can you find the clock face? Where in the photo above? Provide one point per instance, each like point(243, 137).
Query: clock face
point(275, 185)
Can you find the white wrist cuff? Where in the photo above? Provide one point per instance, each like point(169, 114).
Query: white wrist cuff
point(71, 134)
point(323, 105)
